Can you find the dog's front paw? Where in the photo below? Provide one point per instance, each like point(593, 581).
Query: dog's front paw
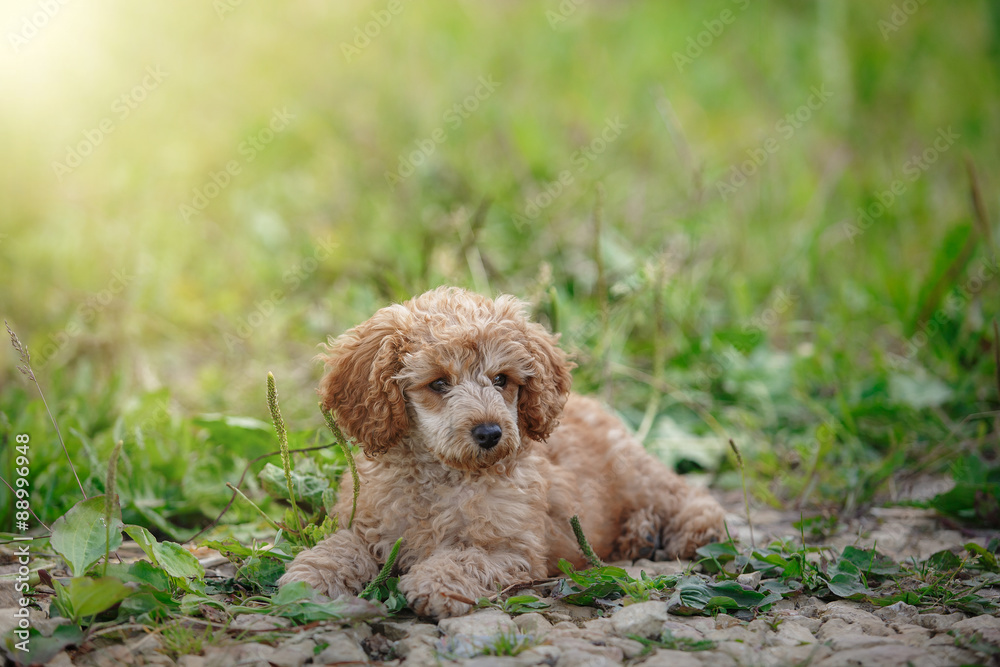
point(434, 599)
point(327, 585)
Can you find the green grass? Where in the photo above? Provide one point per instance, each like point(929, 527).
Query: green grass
point(760, 316)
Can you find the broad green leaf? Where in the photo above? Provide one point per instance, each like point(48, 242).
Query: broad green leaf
point(81, 597)
point(229, 548)
point(178, 561)
point(147, 607)
point(144, 539)
point(304, 606)
point(44, 648)
point(140, 572)
point(743, 598)
point(870, 561)
point(172, 557)
point(846, 586)
point(82, 537)
point(722, 602)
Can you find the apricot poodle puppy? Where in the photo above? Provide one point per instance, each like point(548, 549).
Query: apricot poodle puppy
point(477, 455)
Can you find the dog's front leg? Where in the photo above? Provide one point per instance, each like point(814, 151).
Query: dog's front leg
point(339, 565)
point(440, 585)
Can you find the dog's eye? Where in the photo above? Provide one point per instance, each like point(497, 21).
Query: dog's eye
point(499, 380)
point(439, 385)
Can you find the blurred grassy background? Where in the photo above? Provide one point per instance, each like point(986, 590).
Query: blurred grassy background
point(771, 312)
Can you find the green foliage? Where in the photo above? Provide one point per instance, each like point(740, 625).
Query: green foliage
point(975, 498)
point(183, 568)
point(181, 638)
point(606, 583)
point(504, 643)
point(83, 536)
point(389, 595)
point(515, 604)
point(384, 573)
point(81, 598)
point(669, 642)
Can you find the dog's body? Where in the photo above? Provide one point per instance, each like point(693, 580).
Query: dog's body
point(455, 400)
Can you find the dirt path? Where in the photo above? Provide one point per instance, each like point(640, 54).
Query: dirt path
point(801, 630)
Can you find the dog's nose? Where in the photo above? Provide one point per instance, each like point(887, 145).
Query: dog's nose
point(487, 435)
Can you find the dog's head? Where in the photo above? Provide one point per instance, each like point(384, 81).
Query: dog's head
point(468, 378)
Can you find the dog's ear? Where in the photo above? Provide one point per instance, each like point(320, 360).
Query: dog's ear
point(359, 385)
point(544, 394)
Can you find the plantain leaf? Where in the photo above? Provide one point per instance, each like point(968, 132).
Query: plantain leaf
point(82, 537)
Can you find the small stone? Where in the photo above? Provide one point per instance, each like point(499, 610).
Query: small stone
point(681, 631)
point(599, 626)
point(259, 622)
point(835, 627)
point(912, 635)
point(293, 654)
point(563, 611)
point(485, 622)
point(793, 634)
point(588, 655)
point(939, 622)
point(899, 612)
point(854, 641)
point(396, 630)
point(866, 621)
point(339, 648)
point(883, 655)
point(803, 654)
point(644, 619)
point(63, 660)
point(723, 621)
point(630, 647)
point(810, 624)
point(977, 624)
point(534, 623)
point(702, 624)
point(255, 654)
point(668, 658)
point(751, 579)
point(539, 655)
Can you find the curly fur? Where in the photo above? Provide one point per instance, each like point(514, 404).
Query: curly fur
point(472, 518)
